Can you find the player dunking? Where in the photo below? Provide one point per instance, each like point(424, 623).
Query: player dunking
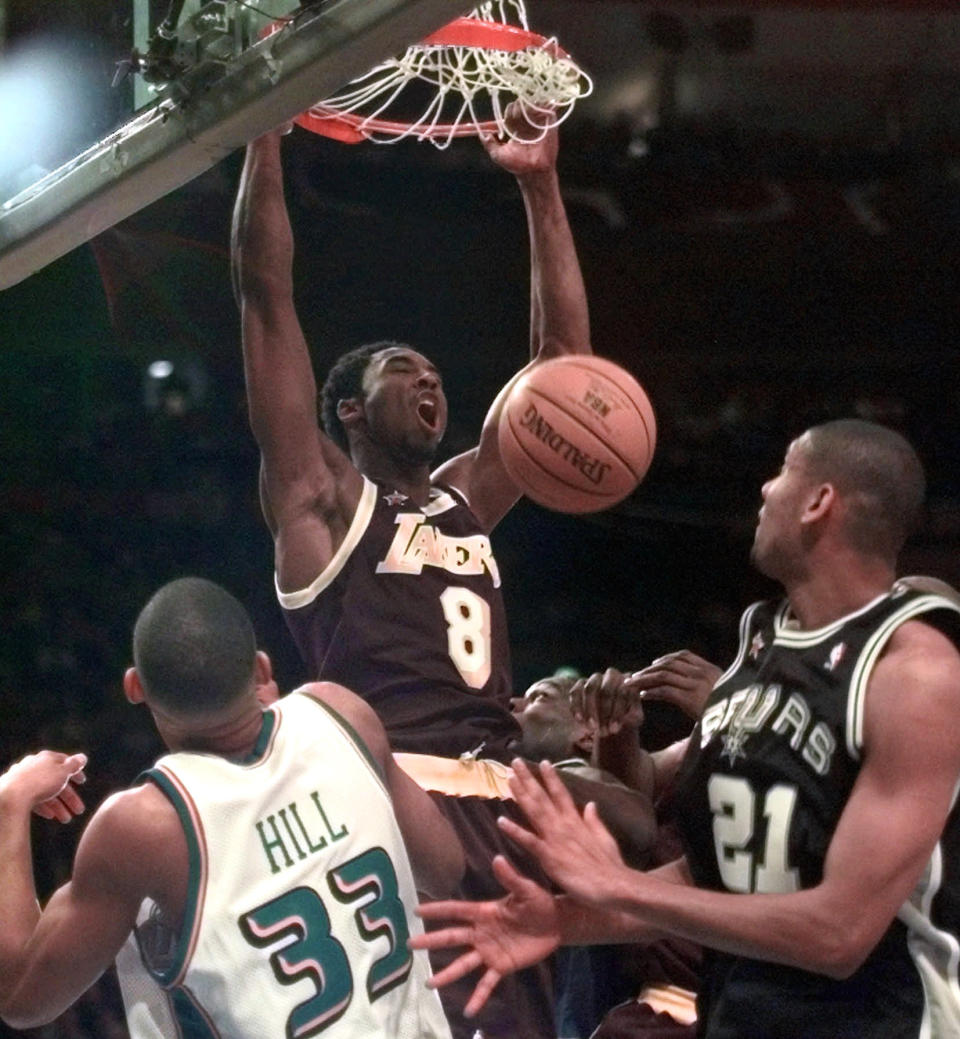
point(273, 843)
point(383, 564)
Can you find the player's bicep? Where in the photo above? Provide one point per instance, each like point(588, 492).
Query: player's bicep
point(281, 389)
point(904, 792)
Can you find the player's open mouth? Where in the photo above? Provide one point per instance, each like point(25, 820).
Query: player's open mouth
point(428, 412)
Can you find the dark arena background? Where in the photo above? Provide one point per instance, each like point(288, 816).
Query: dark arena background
point(769, 238)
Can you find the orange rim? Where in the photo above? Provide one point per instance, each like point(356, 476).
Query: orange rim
point(351, 128)
point(492, 36)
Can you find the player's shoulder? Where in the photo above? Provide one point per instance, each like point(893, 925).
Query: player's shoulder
point(480, 483)
point(138, 812)
point(912, 703)
point(130, 833)
point(348, 708)
point(917, 642)
point(920, 660)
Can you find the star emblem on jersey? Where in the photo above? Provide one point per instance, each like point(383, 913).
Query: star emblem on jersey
point(756, 644)
point(733, 745)
point(395, 498)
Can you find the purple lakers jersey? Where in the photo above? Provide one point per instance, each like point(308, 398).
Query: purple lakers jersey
point(409, 615)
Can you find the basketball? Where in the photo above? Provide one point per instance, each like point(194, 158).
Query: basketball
point(577, 433)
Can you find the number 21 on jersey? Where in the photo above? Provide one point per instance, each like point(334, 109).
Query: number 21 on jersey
point(733, 803)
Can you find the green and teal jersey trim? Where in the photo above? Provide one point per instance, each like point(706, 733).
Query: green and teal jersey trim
point(192, 1022)
point(267, 728)
point(195, 876)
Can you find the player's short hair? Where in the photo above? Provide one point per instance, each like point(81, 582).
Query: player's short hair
point(345, 381)
point(193, 647)
point(562, 681)
point(879, 474)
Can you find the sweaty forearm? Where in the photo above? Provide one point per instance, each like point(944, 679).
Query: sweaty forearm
point(261, 238)
point(581, 924)
point(796, 929)
point(19, 909)
point(559, 313)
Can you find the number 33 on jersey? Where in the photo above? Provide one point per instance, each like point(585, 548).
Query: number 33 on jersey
point(300, 890)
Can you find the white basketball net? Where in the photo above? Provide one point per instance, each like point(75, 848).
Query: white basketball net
point(473, 85)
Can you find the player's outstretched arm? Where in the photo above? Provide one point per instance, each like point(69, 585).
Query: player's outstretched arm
point(501, 937)
point(309, 489)
point(38, 783)
point(518, 930)
point(559, 316)
point(48, 959)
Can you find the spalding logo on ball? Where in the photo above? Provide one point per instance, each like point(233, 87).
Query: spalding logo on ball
point(577, 433)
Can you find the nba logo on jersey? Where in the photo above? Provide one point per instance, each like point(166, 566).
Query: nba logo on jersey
point(836, 655)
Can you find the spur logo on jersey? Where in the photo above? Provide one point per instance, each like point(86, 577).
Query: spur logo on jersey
point(417, 544)
point(757, 707)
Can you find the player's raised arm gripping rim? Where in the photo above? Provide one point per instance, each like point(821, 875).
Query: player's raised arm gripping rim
point(388, 414)
point(559, 318)
point(383, 562)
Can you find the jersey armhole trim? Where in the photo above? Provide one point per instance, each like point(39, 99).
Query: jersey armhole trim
point(745, 622)
point(192, 1019)
point(358, 526)
point(350, 733)
point(178, 796)
point(860, 679)
point(457, 493)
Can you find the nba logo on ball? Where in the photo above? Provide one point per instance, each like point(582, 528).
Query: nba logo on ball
point(577, 433)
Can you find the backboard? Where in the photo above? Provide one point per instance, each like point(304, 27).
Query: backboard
point(105, 107)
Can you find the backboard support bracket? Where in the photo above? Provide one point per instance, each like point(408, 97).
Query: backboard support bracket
point(168, 145)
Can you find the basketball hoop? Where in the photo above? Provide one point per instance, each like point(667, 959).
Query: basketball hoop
point(471, 70)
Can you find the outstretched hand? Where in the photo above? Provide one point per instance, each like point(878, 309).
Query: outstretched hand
point(682, 679)
point(576, 851)
point(533, 153)
point(502, 937)
point(44, 783)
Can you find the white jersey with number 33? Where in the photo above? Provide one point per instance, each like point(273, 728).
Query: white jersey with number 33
point(301, 893)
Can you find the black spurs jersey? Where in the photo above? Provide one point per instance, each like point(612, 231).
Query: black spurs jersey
point(409, 615)
point(771, 765)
